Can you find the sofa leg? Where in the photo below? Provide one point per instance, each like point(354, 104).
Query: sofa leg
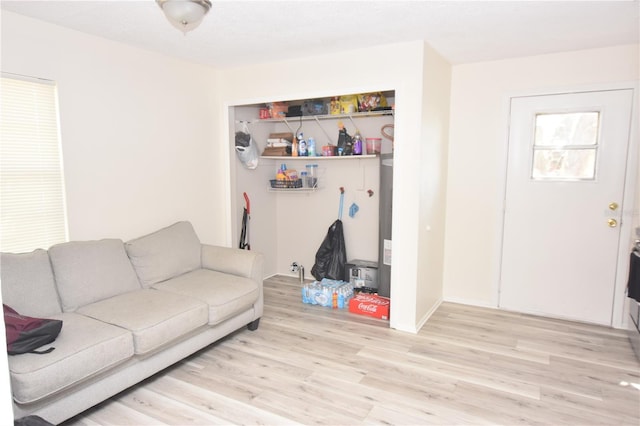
point(253, 325)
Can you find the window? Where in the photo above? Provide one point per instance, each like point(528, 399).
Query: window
point(565, 146)
point(32, 206)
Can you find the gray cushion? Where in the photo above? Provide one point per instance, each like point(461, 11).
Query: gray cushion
point(84, 347)
point(226, 294)
point(164, 254)
point(28, 285)
point(154, 317)
point(89, 271)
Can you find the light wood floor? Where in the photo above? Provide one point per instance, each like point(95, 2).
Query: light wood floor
point(313, 365)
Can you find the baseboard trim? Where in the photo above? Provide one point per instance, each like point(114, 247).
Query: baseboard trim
point(426, 316)
point(470, 302)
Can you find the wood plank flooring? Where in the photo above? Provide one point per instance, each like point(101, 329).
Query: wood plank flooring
point(313, 365)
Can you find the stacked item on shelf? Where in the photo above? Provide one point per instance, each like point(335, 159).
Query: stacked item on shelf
point(364, 102)
point(278, 109)
point(278, 144)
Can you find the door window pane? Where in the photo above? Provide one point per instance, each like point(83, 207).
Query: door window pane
point(564, 164)
point(573, 128)
point(565, 146)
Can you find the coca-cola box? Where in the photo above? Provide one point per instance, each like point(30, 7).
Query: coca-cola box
point(370, 304)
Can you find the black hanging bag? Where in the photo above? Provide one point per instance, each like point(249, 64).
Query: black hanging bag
point(331, 257)
point(26, 334)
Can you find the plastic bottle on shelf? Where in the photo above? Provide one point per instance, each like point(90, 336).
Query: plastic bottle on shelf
point(303, 177)
point(294, 147)
point(345, 141)
point(311, 147)
point(302, 145)
point(357, 144)
point(312, 180)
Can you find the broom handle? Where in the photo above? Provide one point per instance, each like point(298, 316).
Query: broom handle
point(246, 199)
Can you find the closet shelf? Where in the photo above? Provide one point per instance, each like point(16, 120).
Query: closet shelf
point(292, 190)
point(319, 158)
point(326, 117)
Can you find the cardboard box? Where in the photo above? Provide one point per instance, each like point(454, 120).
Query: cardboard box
point(371, 305)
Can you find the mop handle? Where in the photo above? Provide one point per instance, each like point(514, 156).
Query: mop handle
point(246, 199)
point(341, 203)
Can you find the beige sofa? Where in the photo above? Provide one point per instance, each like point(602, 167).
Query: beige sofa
point(128, 309)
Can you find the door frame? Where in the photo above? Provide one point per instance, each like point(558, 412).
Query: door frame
point(630, 218)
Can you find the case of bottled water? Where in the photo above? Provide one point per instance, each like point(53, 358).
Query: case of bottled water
point(331, 293)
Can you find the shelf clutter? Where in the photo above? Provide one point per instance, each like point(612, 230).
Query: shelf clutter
point(318, 158)
point(344, 108)
point(296, 145)
point(334, 106)
point(290, 179)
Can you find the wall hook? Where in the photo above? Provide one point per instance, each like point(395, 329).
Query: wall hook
point(342, 189)
point(370, 192)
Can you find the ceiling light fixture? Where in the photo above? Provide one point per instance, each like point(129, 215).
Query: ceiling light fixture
point(185, 15)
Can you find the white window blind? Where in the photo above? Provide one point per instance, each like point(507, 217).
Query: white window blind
point(32, 205)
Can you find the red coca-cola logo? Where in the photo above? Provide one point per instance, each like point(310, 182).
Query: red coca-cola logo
point(367, 308)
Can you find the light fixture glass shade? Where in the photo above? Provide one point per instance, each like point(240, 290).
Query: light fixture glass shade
point(185, 15)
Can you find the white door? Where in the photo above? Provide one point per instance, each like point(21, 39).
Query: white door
point(563, 207)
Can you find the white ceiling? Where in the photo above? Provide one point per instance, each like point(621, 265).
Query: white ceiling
point(242, 32)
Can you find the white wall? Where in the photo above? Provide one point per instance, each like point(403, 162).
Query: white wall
point(306, 78)
point(137, 136)
point(433, 182)
point(477, 153)
point(138, 139)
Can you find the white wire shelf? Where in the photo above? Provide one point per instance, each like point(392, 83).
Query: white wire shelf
point(319, 158)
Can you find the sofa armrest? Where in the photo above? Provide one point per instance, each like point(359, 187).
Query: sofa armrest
point(244, 263)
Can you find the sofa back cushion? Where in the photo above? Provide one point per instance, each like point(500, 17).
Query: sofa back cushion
point(89, 271)
point(165, 254)
point(28, 285)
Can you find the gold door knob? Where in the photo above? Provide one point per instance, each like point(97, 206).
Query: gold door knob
point(613, 206)
point(612, 223)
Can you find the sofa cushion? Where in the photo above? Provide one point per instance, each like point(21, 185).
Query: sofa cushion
point(28, 285)
point(225, 294)
point(164, 254)
point(154, 317)
point(84, 348)
point(89, 271)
